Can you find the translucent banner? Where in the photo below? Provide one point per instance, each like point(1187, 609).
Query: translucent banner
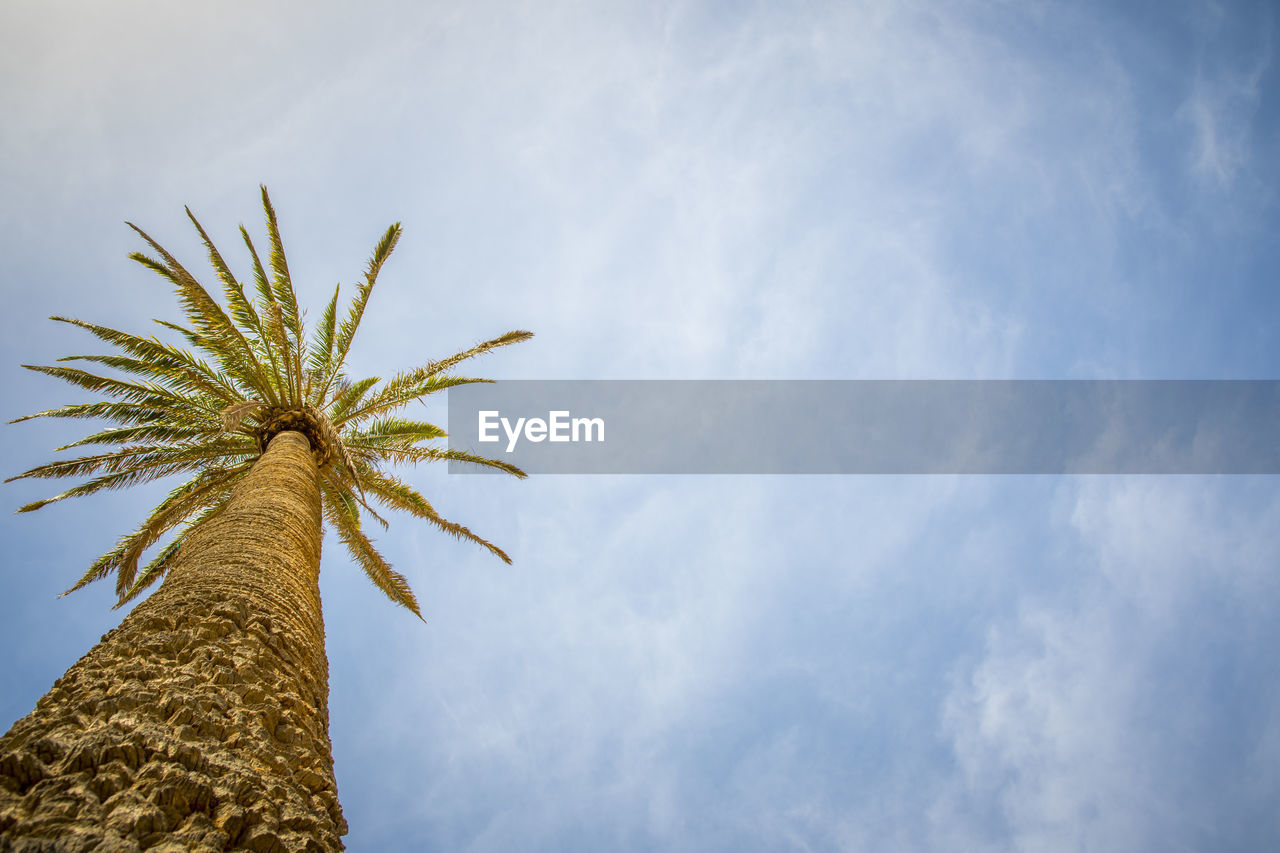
point(870, 426)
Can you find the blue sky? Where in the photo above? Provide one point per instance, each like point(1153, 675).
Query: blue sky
point(711, 190)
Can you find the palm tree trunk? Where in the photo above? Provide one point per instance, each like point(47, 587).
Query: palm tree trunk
point(201, 722)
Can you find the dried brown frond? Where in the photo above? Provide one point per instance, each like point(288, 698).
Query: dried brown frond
point(232, 415)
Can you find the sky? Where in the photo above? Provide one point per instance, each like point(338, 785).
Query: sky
point(884, 189)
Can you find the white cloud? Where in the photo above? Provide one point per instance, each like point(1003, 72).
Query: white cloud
point(881, 189)
point(1221, 111)
point(1088, 720)
point(1226, 92)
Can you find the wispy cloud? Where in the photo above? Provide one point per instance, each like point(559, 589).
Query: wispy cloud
point(1224, 99)
point(670, 190)
point(1131, 712)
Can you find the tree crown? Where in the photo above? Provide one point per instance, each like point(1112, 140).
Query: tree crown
point(250, 373)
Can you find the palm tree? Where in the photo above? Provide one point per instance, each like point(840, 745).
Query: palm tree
point(201, 722)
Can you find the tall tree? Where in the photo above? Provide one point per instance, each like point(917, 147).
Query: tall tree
point(201, 722)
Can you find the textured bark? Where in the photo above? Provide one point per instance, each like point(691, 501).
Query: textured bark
point(201, 722)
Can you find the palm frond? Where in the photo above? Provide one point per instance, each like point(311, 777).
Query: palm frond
point(122, 413)
point(264, 299)
point(156, 569)
point(400, 392)
point(134, 457)
point(188, 498)
point(106, 482)
point(339, 510)
point(287, 302)
point(404, 388)
point(417, 455)
point(263, 284)
point(165, 360)
point(403, 429)
point(281, 284)
point(151, 573)
point(175, 378)
point(347, 331)
point(345, 478)
point(395, 493)
point(165, 432)
point(132, 466)
point(506, 340)
point(203, 311)
point(279, 335)
point(240, 306)
point(349, 396)
point(320, 359)
point(235, 413)
point(149, 395)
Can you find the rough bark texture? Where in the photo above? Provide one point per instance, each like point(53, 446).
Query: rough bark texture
point(201, 723)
